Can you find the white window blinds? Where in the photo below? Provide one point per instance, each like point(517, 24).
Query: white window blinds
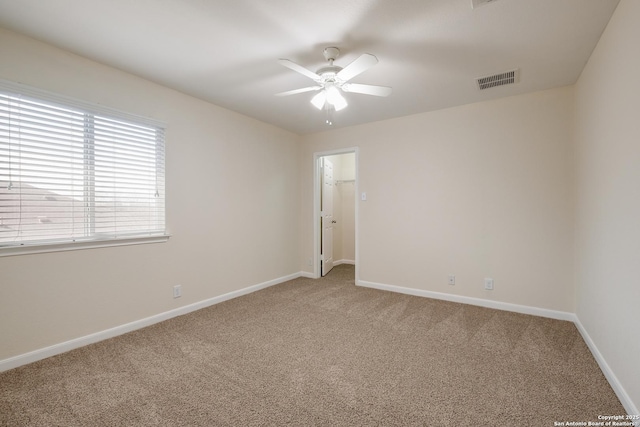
point(69, 173)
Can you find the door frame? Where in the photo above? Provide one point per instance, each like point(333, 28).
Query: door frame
point(316, 207)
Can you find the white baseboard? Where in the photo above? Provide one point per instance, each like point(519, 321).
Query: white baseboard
point(43, 353)
point(307, 275)
point(524, 309)
point(624, 398)
point(344, 261)
point(622, 395)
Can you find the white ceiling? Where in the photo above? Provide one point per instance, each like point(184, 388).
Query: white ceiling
point(226, 51)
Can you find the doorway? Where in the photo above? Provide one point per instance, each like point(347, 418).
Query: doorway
point(335, 210)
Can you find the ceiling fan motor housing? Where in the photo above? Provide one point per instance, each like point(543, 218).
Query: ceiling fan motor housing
point(328, 73)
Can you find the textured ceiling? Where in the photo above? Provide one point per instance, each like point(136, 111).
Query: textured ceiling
point(226, 52)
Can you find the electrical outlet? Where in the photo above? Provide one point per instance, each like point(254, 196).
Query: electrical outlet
point(452, 279)
point(488, 283)
point(309, 262)
point(177, 291)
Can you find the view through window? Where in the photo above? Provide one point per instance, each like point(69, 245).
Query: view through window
point(68, 174)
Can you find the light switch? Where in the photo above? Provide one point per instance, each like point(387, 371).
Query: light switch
point(364, 196)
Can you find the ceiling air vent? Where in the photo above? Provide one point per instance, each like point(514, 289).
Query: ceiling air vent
point(478, 3)
point(506, 78)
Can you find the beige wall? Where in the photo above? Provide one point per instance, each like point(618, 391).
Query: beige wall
point(346, 192)
point(233, 203)
point(481, 190)
point(608, 196)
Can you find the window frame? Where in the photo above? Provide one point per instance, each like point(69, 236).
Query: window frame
point(92, 241)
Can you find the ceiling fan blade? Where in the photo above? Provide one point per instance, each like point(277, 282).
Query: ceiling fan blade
point(295, 91)
point(367, 89)
point(299, 69)
point(360, 65)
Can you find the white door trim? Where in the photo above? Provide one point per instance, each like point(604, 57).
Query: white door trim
point(316, 207)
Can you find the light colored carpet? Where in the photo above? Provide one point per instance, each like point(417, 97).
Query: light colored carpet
point(320, 352)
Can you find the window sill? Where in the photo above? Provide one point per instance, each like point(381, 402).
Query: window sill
point(92, 244)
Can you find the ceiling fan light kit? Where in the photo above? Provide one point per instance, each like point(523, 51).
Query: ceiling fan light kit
point(319, 99)
point(335, 98)
point(331, 80)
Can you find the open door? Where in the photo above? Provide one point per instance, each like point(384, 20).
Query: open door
point(326, 216)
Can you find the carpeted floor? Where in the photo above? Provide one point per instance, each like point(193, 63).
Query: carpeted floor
point(320, 352)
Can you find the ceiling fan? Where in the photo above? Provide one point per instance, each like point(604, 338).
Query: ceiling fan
point(332, 79)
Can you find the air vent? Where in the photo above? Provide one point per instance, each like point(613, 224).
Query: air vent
point(506, 78)
point(478, 3)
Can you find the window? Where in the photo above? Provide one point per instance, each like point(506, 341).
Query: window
point(72, 173)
